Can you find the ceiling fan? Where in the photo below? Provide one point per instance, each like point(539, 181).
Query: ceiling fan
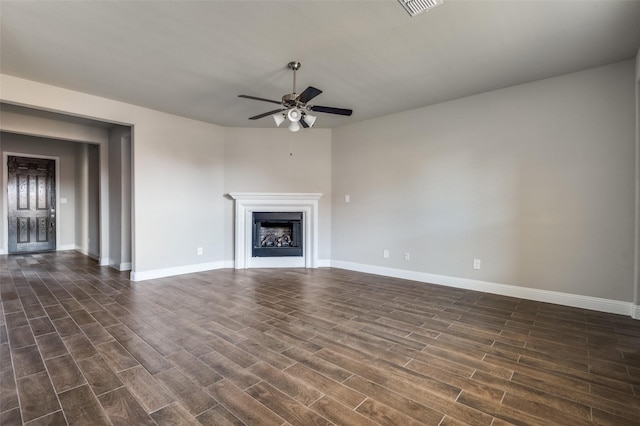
point(296, 107)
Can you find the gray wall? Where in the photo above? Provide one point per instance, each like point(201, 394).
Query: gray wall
point(535, 180)
point(178, 181)
point(120, 197)
point(93, 202)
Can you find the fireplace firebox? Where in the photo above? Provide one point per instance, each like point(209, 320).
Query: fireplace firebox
point(277, 234)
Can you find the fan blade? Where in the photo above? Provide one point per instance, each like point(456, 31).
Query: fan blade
point(260, 99)
point(267, 113)
point(331, 110)
point(303, 123)
point(308, 94)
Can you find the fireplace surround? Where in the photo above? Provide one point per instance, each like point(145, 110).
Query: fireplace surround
point(248, 203)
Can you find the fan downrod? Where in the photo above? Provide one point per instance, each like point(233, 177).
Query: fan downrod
point(294, 65)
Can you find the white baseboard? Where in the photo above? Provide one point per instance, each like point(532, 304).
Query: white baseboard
point(324, 263)
point(94, 256)
point(125, 266)
point(567, 299)
point(178, 270)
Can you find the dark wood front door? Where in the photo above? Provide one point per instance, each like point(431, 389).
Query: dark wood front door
point(31, 204)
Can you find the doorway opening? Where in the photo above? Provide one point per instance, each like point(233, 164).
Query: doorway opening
point(90, 207)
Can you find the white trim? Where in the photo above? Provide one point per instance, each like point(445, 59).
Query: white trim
point(94, 256)
point(276, 262)
point(67, 247)
point(248, 202)
point(567, 299)
point(178, 270)
point(121, 267)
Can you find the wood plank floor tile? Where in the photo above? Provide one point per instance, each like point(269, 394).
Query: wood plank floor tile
point(66, 327)
point(242, 405)
point(20, 337)
point(147, 390)
point(11, 417)
point(339, 414)
point(218, 416)
point(8, 390)
point(291, 410)
point(123, 409)
point(79, 346)
point(338, 391)
point(27, 361)
point(385, 415)
point(286, 383)
point(173, 414)
point(42, 325)
point(37, 396)
point(104, 318)
point(53, 419)
point(299, 346)
point(81, 407)
point(55, 311)
point(16, 319)
point(193, 368)
point(146, 355)
point(191, 395)
point(117, 356)
point(230, 370)
point(51, 345)
point(100, 377)
point(96, 333)
point(64, 373)
point(404, 405)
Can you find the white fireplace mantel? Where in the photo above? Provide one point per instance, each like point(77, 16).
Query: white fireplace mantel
point(247, 203)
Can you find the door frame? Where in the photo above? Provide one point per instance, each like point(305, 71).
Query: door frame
point(5, 201)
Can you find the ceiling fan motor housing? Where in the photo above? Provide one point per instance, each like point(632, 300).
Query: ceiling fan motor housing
point(290, 100)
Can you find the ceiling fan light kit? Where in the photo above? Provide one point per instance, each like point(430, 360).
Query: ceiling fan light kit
point(415, 7)
point(294, 126)
point(294, 114)
point(309, 119)
point(279, 119)
point(296, 107)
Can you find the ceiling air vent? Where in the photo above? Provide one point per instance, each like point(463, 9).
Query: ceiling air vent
point(415, 7)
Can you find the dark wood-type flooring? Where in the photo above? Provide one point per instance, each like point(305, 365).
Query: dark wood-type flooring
point(81, 344)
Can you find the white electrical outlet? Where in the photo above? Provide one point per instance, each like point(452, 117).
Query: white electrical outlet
point(407, 256)
point(477, 263)
point(199, 251)
point(347, 198)
point(385, 254)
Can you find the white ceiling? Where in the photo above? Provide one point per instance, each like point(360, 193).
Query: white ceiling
point(192, 58)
